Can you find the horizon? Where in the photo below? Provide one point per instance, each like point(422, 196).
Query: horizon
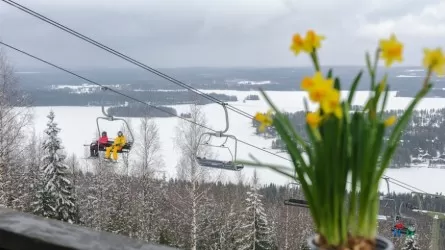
point(222, 67)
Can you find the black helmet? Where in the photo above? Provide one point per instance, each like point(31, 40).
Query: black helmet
point(120, 133)
point(104, 133)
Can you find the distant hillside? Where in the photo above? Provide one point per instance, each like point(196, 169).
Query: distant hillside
point(403, 79)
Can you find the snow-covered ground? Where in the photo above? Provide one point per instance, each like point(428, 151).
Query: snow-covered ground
point(78, 125)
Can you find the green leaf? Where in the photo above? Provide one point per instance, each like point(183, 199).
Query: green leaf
point(355, 167)
point(337, 84)
point(301, 169)
point(329, 75)
point(368, 63)
point(385, 99)
point(276, 168)
point(354, 86)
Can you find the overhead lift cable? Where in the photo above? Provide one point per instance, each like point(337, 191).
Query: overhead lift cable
point(406, 184)
point(132, 98)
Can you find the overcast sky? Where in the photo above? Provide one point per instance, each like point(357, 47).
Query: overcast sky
point(179, 33)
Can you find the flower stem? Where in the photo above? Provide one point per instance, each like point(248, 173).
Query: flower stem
point(314, 58)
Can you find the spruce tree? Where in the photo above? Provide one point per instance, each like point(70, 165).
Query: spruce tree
point(304, 246)
point(54, 198)
point(410, 244)
point(255, 230)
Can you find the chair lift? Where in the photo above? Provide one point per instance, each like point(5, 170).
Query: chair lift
point(419, 208)
point(396, 215)
point(409, 230)
point(128, 145)
point(387, 199)
point(295, 202)
point(214, 163)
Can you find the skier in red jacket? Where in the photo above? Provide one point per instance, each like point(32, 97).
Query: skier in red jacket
point(398, 229)
point(101, 143)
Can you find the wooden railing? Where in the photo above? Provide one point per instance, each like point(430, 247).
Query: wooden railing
point(21, 231)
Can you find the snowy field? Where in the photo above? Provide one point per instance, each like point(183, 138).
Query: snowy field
point(78, 127)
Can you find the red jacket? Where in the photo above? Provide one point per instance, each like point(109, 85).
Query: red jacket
point(399, 225)
point(103, 140)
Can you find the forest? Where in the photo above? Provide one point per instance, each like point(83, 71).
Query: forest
point(67, 97)
point(141, 110)
point(423, 140)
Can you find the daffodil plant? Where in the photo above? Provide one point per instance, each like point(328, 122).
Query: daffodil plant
point(347, 153)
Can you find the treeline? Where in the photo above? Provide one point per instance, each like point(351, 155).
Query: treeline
point(422, 142)
point(252, 98)
point(64, 97)
point(434, 93)
point(141, 110)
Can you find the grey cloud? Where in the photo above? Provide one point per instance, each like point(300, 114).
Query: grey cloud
point(396, 8)
point(188, 33)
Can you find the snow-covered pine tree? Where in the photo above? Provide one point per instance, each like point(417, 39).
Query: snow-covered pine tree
point(44, 204)
point(229, 227)
point(255, 232)
point(55, 199)
point(75, 177)
point(99, 189)
point(15, 118)
point(410, 244)
point(304, 246)
point(31, 176)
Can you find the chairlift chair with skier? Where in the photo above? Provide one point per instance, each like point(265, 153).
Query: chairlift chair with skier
point(101, 147)
point(409, 228)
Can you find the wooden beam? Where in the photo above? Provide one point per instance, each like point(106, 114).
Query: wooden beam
point(21, 231)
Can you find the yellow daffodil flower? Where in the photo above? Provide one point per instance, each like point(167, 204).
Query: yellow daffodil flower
point(321, 87)
point(392, 50)
point(297, 44)
point(312, 40)
point(390, 121)
point(264, 119)
point(382, 84)
point(331, 104)
point(307, 44)
point(307, 83)
point(435, 60)
point(313, 119)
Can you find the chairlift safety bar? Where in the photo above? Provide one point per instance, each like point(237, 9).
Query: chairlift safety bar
point(109, 117)
point(222, 135)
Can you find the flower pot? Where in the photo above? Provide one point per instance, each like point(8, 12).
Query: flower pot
point(382, 244)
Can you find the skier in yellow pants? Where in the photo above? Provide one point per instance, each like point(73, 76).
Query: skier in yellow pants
point(118, 143)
